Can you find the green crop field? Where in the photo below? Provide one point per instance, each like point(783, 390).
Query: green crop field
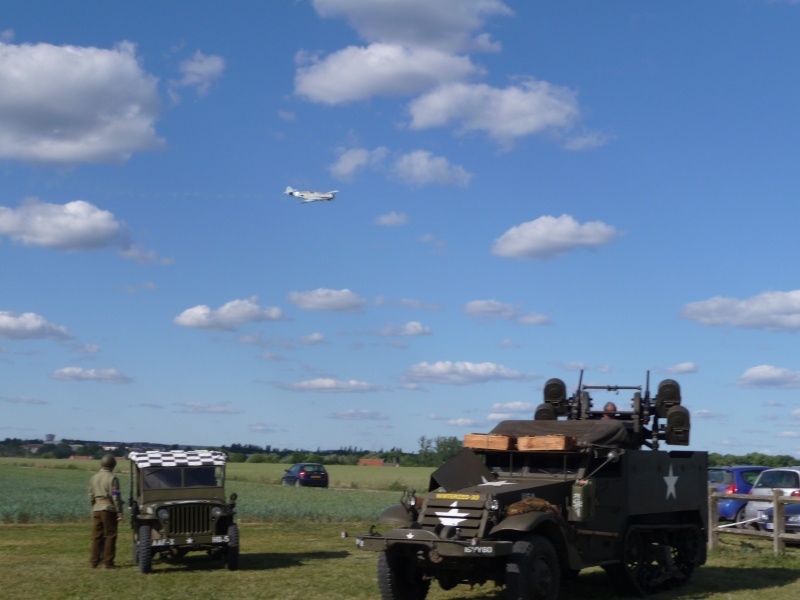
point(292, 546)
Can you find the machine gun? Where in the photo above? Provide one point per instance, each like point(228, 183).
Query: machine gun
point(642, 420)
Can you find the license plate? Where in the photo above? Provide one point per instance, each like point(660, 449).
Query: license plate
point(769, 526)
point(316, 477)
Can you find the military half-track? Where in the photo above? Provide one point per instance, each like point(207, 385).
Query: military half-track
point(537, 500)
point(178, 505)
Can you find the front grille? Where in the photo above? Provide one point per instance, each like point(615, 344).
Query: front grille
point(186, 519)
point(469, 516)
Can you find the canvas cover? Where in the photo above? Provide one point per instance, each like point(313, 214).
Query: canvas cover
point(178, 458)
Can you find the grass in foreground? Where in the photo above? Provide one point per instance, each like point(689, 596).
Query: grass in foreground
point(304, 561)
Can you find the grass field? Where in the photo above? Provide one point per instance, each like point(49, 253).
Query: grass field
point(292, 553)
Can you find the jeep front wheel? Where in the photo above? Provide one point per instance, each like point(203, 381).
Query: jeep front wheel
point(232, 551)
point(145, 549)
point(532, 571)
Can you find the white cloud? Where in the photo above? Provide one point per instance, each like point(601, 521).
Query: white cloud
point(421, 167)
point(350, 161)
point(22, 400)
point(359, 415)
point(7, 36)
point(197, 408)
point(70, 104)
point(199, 72)
point(528, 108)
point(770, 311)
point(446, 24)
point(768, 376)
point(548, 237)
point(514, 407)
point(499, 417)
point(410, 329)
point(327, 299)
point(29, 326)
point(359, 73)
point(312, 339)
point(262, 428)
point(330, 386)
point(74, 226)
point(460, 373)
point(680, 368)
point(96, 375)
point(492, 309)
point(462, 422)
point(704, 413)
point(392, 219)
point(229, 316)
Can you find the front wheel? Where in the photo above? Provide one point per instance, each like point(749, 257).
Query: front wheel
point(532, 571)
point(145, 549)
point(232, 551)
point(399, 578)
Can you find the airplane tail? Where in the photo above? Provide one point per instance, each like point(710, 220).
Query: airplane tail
point(289, 190)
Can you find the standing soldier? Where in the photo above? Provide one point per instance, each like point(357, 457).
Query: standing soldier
point(106, 512)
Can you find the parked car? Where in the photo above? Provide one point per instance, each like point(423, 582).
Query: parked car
point(792, 514)
point(310, 474)
point(733, 480)
point(785, 479)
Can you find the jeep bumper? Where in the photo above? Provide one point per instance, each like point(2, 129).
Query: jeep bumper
point(444, 547)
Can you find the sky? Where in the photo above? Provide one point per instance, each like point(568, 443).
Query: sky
point(525, 190)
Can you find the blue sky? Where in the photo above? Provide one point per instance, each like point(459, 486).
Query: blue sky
point(526, 189)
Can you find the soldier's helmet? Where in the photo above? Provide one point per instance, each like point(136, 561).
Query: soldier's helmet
point(108, 462)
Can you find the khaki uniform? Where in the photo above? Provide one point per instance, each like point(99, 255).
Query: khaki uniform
point(106, 501)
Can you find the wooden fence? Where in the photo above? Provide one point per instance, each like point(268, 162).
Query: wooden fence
point(778, 535)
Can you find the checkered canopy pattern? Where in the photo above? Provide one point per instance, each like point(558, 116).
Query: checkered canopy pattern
point(178, 458)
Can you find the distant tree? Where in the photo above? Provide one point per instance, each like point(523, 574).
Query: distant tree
point(257, 458)
point(236, 457)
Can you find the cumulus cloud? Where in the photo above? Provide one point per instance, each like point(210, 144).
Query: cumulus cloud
point(492, 309)
point(330, 386)
point(514, 407)
point(327, 299)
point(530, 107)
point(96, 375)
point(198, 408)
point(421, 167)
point(768, 376)
point(358, 73)
point(312, 339)
point(22, 400)
point(770, 311)
point(29, 326)
point(462, 422)
point(359, 415)
point(74, 226)
point(199, 72)
point(460, 373)
point(446, 24)
point(229, 316)
point(352, 160)
point(549, 237)
point(410, 329)
point(262, 428)
point(392, 219)
point(681, 368)
point(71, 104)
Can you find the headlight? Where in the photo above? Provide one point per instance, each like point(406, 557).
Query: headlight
point(793, 519)
point(494, 504)
point(216, 512)
point(163, 514)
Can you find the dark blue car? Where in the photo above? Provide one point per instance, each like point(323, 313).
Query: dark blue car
point(733, 480)
point(792, 523)
point(306, 474)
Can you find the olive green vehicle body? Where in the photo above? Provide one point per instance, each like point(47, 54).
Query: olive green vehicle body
point(176, 509)
point(603, 501)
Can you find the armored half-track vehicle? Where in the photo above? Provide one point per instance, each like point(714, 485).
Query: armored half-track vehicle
point(178, 505)
point(538, 500)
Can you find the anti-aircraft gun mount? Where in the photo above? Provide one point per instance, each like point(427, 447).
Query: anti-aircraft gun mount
point(536, 500)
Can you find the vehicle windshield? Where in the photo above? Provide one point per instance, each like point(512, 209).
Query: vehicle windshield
point(778, 479)
point(183, 477)
point(720, 476)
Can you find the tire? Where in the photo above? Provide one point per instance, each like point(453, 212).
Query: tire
point(232, 551)
point(739, 517)
point(297, 482)
point(145, 549)
point(532, 571)
point(135, 551)
point(399, 578)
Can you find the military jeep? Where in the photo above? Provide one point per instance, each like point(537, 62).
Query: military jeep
point(178, 505)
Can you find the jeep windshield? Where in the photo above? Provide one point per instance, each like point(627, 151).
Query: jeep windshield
point(156, 478)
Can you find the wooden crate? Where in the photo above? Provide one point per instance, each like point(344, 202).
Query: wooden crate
point(546, 442)
point(485, 441)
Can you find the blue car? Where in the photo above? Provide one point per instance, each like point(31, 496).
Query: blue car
point(306, 474)
point(733, 480)
point(792, 523)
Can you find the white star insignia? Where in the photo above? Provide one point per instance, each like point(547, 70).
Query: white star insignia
point(451, 516)
point(671, 480)
point(495, 483)
point(410, 535)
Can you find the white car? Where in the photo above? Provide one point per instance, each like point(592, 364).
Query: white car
point(786, 479)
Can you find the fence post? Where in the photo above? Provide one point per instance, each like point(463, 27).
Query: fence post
point(778, 521)
point(713, 519)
